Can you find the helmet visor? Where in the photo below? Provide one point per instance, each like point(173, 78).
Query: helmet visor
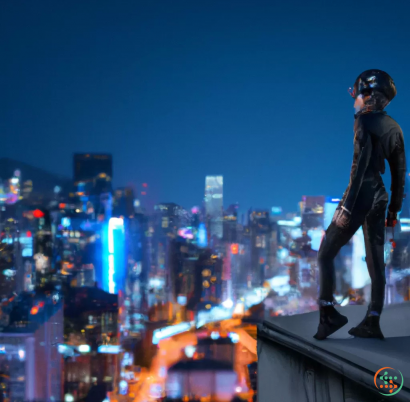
point(352, 92)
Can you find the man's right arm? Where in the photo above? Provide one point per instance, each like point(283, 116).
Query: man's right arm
point(397, 161)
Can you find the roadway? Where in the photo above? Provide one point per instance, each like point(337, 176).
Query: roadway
point(172, 350)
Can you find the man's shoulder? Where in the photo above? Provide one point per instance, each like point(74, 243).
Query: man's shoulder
point(377, 123)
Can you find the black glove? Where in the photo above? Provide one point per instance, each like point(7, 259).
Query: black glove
point(391, 219)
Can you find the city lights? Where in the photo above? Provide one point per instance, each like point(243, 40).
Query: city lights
point(190, 351)
point(22, 354)
point(239, 309)
point(66, 350)
point(34, 310)
point(287, 223)
point(182, 300)
point(84, 348)
point(228, 303)
point(234, 337)
point(109, 349)
point(38, 214)
point(186, 233)
point(172, 330)
point(213, 315)
point(66, 222)
point(234, 248)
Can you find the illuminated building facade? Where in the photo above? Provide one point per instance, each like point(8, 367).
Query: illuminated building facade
point(260, 232)
point(214, 205)
point(115, 270)
point(331, 204)
point(209, 269)
point(230, 224)
point(170, 222)
point(169, 218)
point(29, 358)
point(312, 212)
point(230, 271)
point(96, 313)
point(93, 184)
point(183, 257)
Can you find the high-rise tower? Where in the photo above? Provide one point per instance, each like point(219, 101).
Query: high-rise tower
point(214, 205)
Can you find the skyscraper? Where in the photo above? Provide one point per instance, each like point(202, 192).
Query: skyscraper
point(214, 205)
point(260, 247)
point(88, 166)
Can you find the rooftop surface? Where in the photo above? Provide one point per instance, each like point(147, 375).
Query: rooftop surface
point(343, 351)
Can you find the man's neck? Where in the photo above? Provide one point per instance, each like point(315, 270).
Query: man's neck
point(368, 111)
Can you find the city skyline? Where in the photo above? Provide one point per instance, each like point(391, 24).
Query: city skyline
point(176, 209)
point(177, 92)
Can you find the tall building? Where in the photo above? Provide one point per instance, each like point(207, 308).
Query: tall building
point(91, 319)
point(214, 205)
point(169, 218)
point(230, 224)
point(183, 257)
point(167, 221)
point(30, 364)
point(123, 201)
point(88, 166)
point(312, 212)
point(92, 177)
point(209, 266)
point(260, 233)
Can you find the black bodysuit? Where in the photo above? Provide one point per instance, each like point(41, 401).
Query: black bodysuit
point(377, 137)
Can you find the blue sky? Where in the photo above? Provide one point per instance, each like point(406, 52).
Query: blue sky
point(253, 90)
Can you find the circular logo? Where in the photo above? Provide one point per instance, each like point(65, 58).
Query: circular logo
point(388, 381)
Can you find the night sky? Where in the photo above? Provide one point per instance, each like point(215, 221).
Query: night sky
point(253, 90)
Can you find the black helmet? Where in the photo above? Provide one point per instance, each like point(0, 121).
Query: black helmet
point(371, 80)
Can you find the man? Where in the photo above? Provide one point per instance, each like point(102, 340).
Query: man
point(377, 137)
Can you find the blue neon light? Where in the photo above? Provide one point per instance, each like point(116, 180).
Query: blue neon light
point(66, 222)
point(111, 273)
point(116, 267)
point(202, 236)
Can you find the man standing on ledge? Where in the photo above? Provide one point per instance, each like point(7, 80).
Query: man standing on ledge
point(376, 137)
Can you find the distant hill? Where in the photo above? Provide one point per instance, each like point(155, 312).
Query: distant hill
point(43, 181)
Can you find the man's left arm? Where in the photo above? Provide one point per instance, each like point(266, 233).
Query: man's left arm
point(363, 146)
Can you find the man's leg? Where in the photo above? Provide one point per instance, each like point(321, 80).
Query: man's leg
point(373, 230)
point(335, 238)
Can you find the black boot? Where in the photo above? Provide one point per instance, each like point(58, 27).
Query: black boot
point(330, 321)
point(368, 328)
